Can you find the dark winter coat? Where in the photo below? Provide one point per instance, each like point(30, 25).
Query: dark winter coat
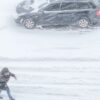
point(4, 77)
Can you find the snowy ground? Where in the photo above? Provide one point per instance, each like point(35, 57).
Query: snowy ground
point(62, 64)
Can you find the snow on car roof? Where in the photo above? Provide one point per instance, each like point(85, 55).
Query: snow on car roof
point(72, 1)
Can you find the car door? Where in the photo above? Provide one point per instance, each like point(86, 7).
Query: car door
point(67, 12)
point(49, 14)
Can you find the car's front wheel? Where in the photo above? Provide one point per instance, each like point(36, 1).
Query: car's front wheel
point(83, 22)
point(29, 23)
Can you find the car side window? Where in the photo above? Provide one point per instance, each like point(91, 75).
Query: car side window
point(68, 6)
point(83, 6)
point(53, 7)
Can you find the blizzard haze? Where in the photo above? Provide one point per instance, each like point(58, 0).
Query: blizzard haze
point(50, 64)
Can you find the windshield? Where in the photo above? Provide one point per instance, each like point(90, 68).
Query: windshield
point(42, 5)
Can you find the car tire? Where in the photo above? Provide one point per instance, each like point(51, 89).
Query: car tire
point(84, 22)
point(29, 23)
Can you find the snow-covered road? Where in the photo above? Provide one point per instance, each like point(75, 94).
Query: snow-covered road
point(62, 64)
point(50, 80)
point(52, 64)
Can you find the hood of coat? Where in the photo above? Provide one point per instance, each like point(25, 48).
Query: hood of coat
point(4, 71)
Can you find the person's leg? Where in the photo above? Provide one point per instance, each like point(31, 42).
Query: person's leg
point(8, 93)
point(0, 95)
point(1, 88)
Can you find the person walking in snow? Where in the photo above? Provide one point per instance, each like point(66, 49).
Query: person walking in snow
point(25, 6)
point(5, 75)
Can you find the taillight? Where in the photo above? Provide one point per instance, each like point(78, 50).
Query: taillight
point(98, 12)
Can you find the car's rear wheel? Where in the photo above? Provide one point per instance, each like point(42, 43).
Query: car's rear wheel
point(29, 23)
point(83, 22)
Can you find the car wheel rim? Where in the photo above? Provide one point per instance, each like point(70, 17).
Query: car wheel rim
point(83, 23)
point(29, 24)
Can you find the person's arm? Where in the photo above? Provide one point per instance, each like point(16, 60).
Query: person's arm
point(13, 75)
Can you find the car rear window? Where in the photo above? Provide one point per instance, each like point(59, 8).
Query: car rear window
point(92, 5)
point(85, 5)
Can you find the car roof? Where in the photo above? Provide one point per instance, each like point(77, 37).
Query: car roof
point(58, 1)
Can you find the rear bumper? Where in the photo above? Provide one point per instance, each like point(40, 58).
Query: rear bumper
point(96, 20)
